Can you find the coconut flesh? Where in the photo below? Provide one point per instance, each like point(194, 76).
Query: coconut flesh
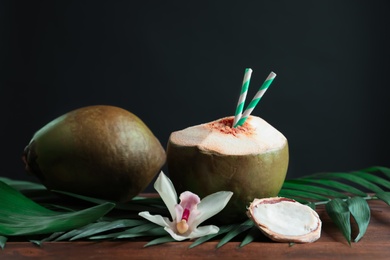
point(249, 160)
point(285, 220)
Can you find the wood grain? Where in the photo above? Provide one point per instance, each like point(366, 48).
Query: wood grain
point(374, 245)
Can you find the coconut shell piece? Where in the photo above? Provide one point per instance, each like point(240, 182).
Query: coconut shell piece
point(285, 220)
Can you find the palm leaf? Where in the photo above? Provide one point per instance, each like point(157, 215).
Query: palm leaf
point(354, 178)
point(297, 196)
point(22, 216)
point(160, 240)
point(250, 237)
point(222, 230)
point(146, 229)
point(22, 185)
point(344, 193)
point(338, 211)
point(339, 208)
point(374, 169)
point(303, 194)
point(361, 213)
point(384, 196)
point(153, 205)
point(236, 231)
point(332, 184)
point(303, 185)
point(373, 179)
point(100, 227)
point(50, 238)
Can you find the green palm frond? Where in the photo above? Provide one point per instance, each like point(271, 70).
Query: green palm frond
point(21, 216)
point(345, 195)
point(28, 209)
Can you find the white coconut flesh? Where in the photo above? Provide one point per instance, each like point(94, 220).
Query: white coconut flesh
point(256, 136)
point(285, 220)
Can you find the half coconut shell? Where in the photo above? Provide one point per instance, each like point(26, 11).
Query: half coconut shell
point(285, 220)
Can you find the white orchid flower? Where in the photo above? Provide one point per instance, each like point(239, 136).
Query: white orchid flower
point(189, 213)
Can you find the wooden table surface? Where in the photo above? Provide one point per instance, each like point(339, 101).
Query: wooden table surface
point(374, 245)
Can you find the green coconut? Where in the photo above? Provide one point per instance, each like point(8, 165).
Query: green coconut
point(98, 151)
point(249, 160)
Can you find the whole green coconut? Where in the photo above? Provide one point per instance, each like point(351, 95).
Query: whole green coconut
point(98, 151)
point(249, 160)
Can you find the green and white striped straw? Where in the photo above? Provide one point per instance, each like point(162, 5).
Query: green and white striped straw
point(256, 99)
point(244, 92)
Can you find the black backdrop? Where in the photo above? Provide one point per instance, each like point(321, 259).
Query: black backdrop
point(181, 63)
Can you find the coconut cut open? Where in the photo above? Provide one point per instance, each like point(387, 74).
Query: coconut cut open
point(249, 160)
point(285, 220)
point(256, 136)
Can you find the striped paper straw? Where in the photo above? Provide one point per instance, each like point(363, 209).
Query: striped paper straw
point(256, 99)
point(244, 92)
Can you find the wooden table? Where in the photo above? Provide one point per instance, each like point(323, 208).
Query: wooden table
point(332, 245)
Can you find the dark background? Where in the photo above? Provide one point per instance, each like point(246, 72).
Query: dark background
point(181, 63)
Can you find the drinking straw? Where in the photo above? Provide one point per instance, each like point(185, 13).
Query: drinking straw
point(256, 99)
point(244, 92)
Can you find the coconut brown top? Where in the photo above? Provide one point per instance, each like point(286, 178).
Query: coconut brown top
point(254, 137)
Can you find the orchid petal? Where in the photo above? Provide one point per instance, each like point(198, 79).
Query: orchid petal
point(211, 205)
point(192, 220)
point(156, 219)
point(198, 232)
point(203, 231)
point(167, 192)
point(174, 235)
